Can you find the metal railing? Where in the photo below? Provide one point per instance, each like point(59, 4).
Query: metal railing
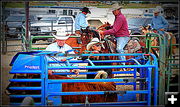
point(147, 67)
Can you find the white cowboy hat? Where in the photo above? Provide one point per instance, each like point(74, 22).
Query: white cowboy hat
point(116, 6)
point(135, 38)
point(61, 34)
point(93, 41)
point(156, 11)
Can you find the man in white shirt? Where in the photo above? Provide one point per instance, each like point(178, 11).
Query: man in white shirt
point(60, 46)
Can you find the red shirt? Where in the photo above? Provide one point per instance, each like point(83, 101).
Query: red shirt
point(119, 28)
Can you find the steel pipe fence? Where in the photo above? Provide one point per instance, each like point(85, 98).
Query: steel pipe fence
point(51, 90)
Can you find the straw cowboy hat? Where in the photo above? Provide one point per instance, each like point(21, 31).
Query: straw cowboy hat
point(116, 6)
point(93, 41)
point(135, 38)
point(156, 11)
point(61, 34)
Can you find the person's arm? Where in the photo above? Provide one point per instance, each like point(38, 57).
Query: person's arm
point(117, 25)
point(165, 22)
point(152, 25)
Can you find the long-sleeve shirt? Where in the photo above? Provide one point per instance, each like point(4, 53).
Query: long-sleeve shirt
point(159, 22)
point(63, 49)
point(119, 28)
point(80, 22)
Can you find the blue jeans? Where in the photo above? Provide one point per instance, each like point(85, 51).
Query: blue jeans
point(121, 42)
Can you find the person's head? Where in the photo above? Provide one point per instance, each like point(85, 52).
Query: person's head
point(116, 9)
point(94, 45)
point(156, 12)
point(61, 36)
point(86, 10)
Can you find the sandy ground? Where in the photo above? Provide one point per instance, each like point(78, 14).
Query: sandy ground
point(5, 76)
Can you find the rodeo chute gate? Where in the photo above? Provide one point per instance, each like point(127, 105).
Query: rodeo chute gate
point(51, 89)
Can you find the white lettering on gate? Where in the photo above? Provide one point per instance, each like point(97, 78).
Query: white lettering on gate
point(31, 67)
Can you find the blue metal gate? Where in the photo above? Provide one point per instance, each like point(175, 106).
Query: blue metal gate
point(51, 90)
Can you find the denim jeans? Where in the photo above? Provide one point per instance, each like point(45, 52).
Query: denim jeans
point(121, 42)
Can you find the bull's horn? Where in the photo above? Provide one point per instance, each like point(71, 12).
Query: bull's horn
point(103, 73)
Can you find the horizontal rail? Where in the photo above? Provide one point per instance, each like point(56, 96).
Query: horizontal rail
point(36, 104)
point(91, 54)
point(84, 73)
point(25, 80)
point(101, 67)
point(130, 83)
point(67, 73)
point(78, 80)
point(27, 71)
point(137, 35)
point(108, 103)
point(94, 61)
point(14, 45)
point(38, 48)
point(98, 92)
point(41, 43)
point(96, 80)
point(23, 96)
point(25, 88)
point(93, 104)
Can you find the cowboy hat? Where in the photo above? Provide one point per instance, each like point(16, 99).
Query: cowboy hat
point(61, 34)
point(135, 38)
point(156, 11)
point(116, 6)
point(85, 9)
point(93, 41)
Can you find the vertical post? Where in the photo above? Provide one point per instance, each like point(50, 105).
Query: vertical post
point(27, 24)
point(44, 76)
point(149, 85)
point(162, 71)
point(1, 31)
point(3, 40)
point(156, 82)
point(135, 76)
point(148, 43)
point(0, 43)
point(52, 25)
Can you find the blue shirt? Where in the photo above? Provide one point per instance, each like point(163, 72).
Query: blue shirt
point(159, 22)
point(55, 47)
point(80, 22)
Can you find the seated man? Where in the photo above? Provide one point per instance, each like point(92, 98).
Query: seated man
point(60, 46)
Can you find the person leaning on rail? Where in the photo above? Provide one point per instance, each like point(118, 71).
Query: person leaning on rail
point(95, 47)
point(60, 46)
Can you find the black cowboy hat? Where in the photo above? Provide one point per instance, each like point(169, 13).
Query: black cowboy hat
point(85, 9)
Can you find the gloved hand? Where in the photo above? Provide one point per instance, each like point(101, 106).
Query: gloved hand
point(101, 34)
